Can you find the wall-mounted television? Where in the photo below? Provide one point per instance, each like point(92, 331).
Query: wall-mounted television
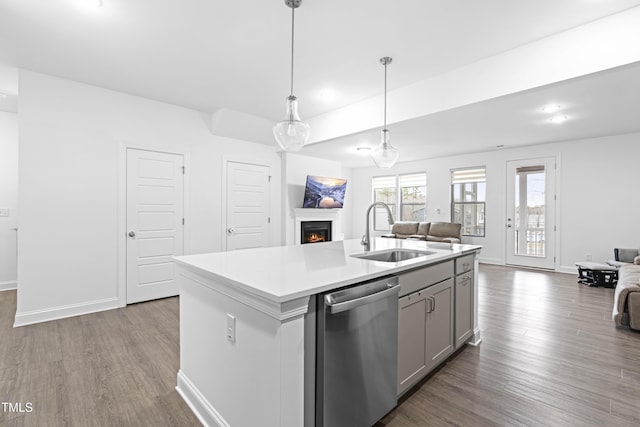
point(322, 192)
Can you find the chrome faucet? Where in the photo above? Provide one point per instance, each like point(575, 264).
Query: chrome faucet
point(365, 239)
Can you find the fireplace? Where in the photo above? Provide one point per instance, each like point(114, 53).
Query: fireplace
point(315, 231)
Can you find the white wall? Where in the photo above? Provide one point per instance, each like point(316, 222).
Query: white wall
point(597, 208)
point(72, 137)
point(8, 198)
point(296, 167)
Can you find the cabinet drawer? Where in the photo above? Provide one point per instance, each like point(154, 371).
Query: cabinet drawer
point(418, 279)
point(464, 263)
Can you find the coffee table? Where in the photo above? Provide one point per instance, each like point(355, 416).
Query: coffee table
point(596, 274)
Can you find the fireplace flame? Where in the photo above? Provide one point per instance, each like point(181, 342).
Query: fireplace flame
point(315, 238)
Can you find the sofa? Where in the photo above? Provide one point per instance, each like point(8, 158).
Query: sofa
point(626, 305)
point(446, 232)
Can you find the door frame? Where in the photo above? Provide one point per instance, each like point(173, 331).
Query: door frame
point(226, 159)
point(121, 214)
point(555, 188)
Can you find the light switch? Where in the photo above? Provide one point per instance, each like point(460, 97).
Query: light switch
point(4, 211)
point(231, 328)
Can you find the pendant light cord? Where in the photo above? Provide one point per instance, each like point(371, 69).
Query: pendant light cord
point(385, 95)
point(293, 9)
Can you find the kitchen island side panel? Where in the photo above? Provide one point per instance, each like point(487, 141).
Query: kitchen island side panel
point(258, 379)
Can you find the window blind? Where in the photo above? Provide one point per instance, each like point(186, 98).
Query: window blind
point(413, 180)
point(461, 176)
point(384, 182)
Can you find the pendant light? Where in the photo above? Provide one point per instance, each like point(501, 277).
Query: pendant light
point(292, 133)
point(385, 155)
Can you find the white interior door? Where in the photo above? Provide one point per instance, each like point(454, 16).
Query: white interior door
point(247, 224)
point(531, 213)
point(155, 211)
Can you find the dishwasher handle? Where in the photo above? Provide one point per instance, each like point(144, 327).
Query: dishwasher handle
point(338, 307)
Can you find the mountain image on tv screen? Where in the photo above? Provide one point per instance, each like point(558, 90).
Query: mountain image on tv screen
point(322, 192)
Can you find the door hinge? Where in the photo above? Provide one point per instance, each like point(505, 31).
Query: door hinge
point(268, 220)
point(554, 228)
point(183, 169)
point(269, 178)
point(182, 221)
point(555, 197)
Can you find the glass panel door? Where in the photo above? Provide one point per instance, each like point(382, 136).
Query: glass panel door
point(530, 218)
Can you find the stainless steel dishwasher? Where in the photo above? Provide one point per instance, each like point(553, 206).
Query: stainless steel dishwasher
point(357, 354)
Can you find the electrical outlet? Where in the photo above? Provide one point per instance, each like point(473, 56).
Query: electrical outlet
point(588, 257)
point(231, 328)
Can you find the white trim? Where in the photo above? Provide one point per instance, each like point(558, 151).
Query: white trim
point(568, 269)
point(200, 406)
point(8, 285)
point(64, 311)
point(280, 311)
point(492, 261)
point(121, 208)
point(476, 339)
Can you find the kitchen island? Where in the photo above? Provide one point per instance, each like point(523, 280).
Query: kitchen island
point(244, 322)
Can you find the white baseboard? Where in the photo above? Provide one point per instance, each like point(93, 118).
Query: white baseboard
point(199, 405)
point(55, 313)
point(493, 261)
point(9, 285)
point(569, 269)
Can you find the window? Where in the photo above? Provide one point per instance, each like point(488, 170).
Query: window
point(409, 192)
point(413, 197)
point(468, 188)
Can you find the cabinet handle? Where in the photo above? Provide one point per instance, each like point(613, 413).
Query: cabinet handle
point(429, 308)
point(465, 265)
point(433, 307)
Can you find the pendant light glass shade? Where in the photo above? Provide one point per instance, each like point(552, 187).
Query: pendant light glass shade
point(291, 133)
point(385, 155)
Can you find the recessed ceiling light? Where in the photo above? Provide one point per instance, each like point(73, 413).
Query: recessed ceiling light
point(327, 94)
point(363, 151)
point(551, 108)
point(558, 119)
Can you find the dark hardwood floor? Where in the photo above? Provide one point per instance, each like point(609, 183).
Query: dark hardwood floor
point(114, 368)
point(550, 356)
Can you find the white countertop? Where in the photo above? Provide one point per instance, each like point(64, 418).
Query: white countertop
point(284, 273)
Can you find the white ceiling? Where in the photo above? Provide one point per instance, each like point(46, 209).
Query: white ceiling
point(212, 54)
point(596, 105)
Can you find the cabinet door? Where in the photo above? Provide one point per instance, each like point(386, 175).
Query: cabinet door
point(439, 338)
point(464, 307)
point(412, 312)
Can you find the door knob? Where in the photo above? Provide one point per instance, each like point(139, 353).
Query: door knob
point(508, 225)
point(132, 234)
point(231, 230)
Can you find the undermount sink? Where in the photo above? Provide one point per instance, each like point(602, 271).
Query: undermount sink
point(393, 255)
